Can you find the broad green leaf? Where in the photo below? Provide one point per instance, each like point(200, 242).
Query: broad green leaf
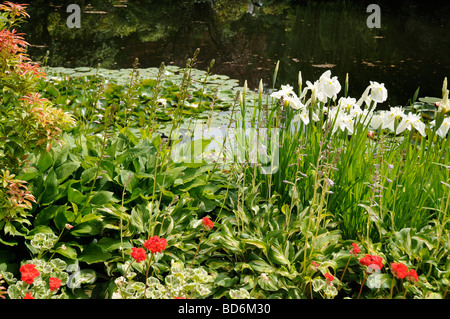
point(45, 215)
point(63, 217)
point(88, 228)
point(65, 170)
point(51, 189)
point(108, 244)
point(131, 154)
point(88, 175)
point(45, 162)
point(102, 197)
point(75, 196)
point(61, 154)
point(261, 266)
point(276, 256)
point(93, 253)
point(65, 250)
point(268, 282)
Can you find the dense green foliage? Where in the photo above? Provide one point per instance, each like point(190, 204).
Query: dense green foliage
point(112, 183)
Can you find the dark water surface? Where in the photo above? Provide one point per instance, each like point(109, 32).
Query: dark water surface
point(411, 49)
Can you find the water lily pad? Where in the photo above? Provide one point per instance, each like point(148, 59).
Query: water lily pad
point(83, 69)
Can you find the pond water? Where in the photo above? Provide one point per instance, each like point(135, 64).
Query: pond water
point(247, 38)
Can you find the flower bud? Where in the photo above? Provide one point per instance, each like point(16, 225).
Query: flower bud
point(444, 87)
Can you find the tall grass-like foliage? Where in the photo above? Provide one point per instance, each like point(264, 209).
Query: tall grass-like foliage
point(373, 171)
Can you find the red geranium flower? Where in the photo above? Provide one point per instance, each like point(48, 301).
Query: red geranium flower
point(155, 244)
point(54, 283)
point(329, 277)
point(399, 270)
point(207, 223)
point(355, 249)
point(138, 254)
point(28, 295)
point(373, 262)
point(412, 275)
point(29, 272)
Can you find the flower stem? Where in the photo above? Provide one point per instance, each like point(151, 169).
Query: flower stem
point(392, 287)
point(406, 290)
point(362, 284)
point(198, 247)
point(146, 274)
point(348, 261)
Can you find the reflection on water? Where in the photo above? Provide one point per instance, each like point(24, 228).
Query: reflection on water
point(247, 38)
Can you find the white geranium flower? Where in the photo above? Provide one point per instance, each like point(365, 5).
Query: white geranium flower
point(443, 129)
point(378, 92)
point(409, 121)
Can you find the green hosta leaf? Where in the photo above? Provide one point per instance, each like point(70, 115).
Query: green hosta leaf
point(45, 215)
point(276, 256)
point(65, 250)
point(45, 162)
point(128, 179)
point(63, 217)
point(75, 196)
point(108, 244)
point(87, 175)
point(138, 219)
point(169, 176)
point(239, 294)
point(256, 242)
point(61, 154)
point(88, 228)
point(51, 189)
point(261, 266)
point(102, 197)
point(65, 170)
point(268, 282)
point(132, 153)
point(93, 253)
point(224, 281)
